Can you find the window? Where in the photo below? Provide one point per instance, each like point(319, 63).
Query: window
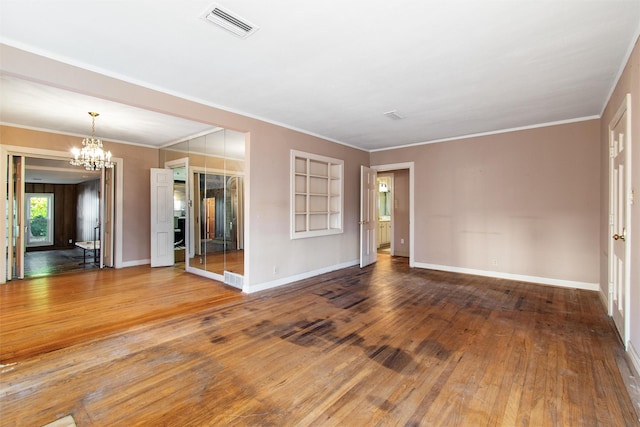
point(39, 219)
point(316, 195)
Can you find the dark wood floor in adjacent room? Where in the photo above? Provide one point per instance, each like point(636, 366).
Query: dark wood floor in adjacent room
point(385, 345)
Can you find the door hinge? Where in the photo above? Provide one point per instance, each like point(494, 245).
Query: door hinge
point(611, 219)
point(612, 151)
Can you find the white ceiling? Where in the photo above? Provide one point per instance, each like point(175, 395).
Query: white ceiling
point(329, 68)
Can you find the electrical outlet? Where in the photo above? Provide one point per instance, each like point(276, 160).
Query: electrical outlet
point(70, 240)
point(402, 241)
point(494, 262)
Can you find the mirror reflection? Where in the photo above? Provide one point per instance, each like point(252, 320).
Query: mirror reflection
point(384, 198)
point(208, 203)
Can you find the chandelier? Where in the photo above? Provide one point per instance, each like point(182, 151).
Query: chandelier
point(91, 155)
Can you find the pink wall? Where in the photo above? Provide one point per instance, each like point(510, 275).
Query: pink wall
point(521, 203)
point(629, 83)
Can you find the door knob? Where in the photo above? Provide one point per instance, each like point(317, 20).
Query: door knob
point(621, 236)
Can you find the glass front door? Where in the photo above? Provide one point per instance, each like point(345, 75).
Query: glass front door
point(39, 211)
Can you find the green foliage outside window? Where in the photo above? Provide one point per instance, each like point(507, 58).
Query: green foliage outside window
point(39, 210)
point(39, 226)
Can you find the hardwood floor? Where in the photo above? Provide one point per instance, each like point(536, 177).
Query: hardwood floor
point(49, 313)
point(385, 345)
point(44, 263)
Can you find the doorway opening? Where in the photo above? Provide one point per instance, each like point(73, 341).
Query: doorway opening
point(395, 210)
point(385, 212)
point(57, 215)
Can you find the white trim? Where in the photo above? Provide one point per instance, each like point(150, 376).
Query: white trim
point(246, 203)
point(119, 205)
point(493, 132)
point(518, 277)
point(249, 289)
point(3, 209)
point(411, 167)
point(135, 263)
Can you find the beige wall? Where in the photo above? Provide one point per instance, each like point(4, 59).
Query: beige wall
point(136, 198)
point(629, 83)
point(522, 203)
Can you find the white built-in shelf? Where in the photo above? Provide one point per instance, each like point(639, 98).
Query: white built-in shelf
point(316, 195)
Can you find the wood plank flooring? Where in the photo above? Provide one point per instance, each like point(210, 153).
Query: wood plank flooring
point(48, 313)
point(55, 261)
point(382, 346)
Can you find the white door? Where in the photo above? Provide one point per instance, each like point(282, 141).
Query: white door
point(619, 213)
point(162, 217)
point(368, 183)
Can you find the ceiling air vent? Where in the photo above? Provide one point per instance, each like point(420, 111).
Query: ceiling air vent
point(230, 22)
point(393, 115)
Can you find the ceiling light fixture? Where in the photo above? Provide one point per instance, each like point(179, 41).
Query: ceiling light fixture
point(91, 155)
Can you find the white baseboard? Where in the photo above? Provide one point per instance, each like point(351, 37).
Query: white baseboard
point(509, 276)
point(134, 263)
point(249, 289)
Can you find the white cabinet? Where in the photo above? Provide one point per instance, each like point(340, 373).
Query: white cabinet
point(316, 195)
point(384, 233)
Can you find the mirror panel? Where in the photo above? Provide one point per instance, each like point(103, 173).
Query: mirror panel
point(213, 200)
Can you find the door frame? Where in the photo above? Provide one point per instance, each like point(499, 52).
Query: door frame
point(6, 150)
point(625, 107)
point(411, 167)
